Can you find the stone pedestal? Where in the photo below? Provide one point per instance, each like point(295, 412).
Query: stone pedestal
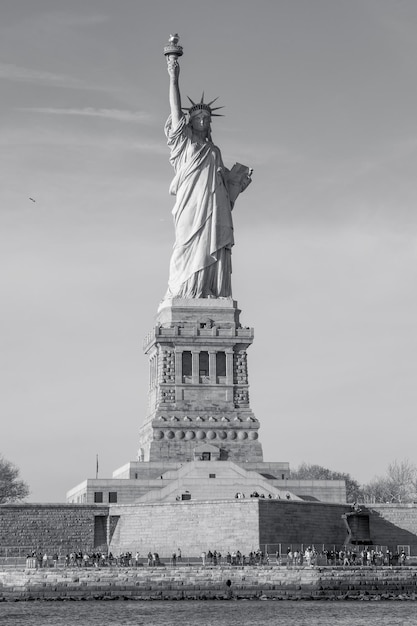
point(198, 387)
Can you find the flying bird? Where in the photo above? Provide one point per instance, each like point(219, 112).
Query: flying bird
point(32, 199)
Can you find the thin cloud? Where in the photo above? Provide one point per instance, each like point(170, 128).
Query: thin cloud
point(17, 140)
point(59, 18)
point(8, 71)
point(118, 115)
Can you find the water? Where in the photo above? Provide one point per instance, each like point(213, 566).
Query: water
point(216, 613)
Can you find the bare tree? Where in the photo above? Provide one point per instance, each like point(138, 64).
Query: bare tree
point(399, 484)
point(377, 490)
point(12, 488)
point(402, 478)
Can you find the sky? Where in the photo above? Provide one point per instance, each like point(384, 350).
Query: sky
point(320, 99)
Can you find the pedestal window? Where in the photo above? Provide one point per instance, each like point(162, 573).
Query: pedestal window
point(221, 367)
point(187, 366)
point(204, 368)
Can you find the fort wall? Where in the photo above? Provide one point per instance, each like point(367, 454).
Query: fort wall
point(194, 526)
point(301, 523)
point(57, 527)
point(394, 525)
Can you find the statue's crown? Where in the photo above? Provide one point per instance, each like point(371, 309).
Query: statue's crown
point(202, 106)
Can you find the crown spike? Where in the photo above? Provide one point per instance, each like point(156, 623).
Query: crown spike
point(202, 98)
point(210, 103)
point(192, 101)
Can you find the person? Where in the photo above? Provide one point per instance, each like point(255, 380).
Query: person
point(205, 191)
point(296, 557)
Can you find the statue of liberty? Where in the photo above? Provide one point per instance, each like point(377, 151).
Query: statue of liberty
point(205, 191)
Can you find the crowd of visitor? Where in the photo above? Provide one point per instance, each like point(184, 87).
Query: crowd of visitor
point(294, 557)
point(233, 558)
point(239, 495)
point(73, 559)
point(365, 556)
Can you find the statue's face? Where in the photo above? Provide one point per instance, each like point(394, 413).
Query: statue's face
point(201, 121)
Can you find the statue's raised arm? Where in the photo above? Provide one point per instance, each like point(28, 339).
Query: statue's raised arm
point(205, 193)
point(172, 52)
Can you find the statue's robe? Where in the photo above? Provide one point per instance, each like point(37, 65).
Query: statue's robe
point(200, 265)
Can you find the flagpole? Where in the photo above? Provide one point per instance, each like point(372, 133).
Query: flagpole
point(96, 466)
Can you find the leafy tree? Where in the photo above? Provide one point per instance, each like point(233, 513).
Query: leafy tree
point(12, 488)
point(317, 472)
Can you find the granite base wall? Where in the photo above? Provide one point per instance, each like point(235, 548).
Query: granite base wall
point(207, 582)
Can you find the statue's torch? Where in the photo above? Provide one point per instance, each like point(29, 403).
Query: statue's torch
point(172, 50)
